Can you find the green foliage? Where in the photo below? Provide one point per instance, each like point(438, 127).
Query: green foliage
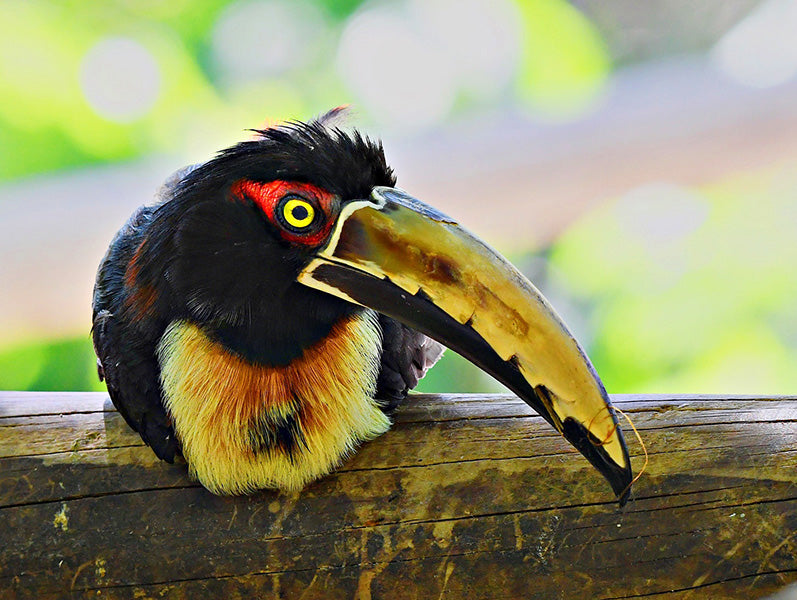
point(694, 292)
point(691, 292)
point(340, 9)
point(565, 62)
point(61, 365)
point(47, 122)
point(454, 374)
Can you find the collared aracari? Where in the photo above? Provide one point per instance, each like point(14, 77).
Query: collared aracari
point(269, 310)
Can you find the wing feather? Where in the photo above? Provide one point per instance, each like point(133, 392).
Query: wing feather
point(406, 357)
point(126, 330)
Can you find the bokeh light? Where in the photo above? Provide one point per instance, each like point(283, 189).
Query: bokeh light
point(255, 39)
point(565, 61)
point(637, 159)
point(480, 47)
point(761, 51)
point(395, 68)
point(683, 286)
point(120, 79)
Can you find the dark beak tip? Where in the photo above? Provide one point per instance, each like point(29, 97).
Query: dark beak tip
point(624, 497)
point(434, 288)
point(619, 478)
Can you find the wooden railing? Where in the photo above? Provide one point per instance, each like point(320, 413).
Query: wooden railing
point(466, 497)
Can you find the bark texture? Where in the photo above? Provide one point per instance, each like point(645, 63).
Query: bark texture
point(465, 497)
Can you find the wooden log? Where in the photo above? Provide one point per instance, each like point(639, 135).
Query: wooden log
point(466, 497)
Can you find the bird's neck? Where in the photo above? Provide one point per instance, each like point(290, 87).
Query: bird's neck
point(244, 426)
point(278, 330)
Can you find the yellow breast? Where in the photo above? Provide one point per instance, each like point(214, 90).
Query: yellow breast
point(243, 427)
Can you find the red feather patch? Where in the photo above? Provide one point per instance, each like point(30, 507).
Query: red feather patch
point(267, 197)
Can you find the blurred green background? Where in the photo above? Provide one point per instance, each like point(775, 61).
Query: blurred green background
point(636, 160)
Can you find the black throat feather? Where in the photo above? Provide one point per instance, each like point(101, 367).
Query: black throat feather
point(220, 262)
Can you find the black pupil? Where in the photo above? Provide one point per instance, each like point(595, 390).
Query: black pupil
point(299, 212)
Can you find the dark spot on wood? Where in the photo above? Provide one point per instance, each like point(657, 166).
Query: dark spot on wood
point(461, 499)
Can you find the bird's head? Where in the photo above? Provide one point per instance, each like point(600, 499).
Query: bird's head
point(304, 223)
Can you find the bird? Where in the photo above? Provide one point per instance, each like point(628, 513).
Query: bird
point(267, 313)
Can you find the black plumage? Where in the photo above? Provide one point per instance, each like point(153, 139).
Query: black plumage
point(194, 255)
point(406, 356)
point(235, 323)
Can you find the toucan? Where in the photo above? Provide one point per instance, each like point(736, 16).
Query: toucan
point(273, 306)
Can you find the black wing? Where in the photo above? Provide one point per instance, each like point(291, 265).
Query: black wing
point(132, 375)
point(406, 356)
point(128, 322)
point(130, 316)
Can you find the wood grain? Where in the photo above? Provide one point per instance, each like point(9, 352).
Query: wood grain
point(466, 497)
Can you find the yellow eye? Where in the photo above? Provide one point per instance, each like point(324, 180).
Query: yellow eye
point(298, 213)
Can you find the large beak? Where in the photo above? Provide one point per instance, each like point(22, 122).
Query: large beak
point(402, 258)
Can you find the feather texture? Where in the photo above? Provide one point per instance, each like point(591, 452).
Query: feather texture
point(245, 427)
point(210, 347)
point(406, 357)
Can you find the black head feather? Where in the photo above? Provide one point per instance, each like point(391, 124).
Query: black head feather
point(345, 163)
point(195, 255)
point(219, 263)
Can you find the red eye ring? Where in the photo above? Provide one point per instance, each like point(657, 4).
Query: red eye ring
point(271, 198)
